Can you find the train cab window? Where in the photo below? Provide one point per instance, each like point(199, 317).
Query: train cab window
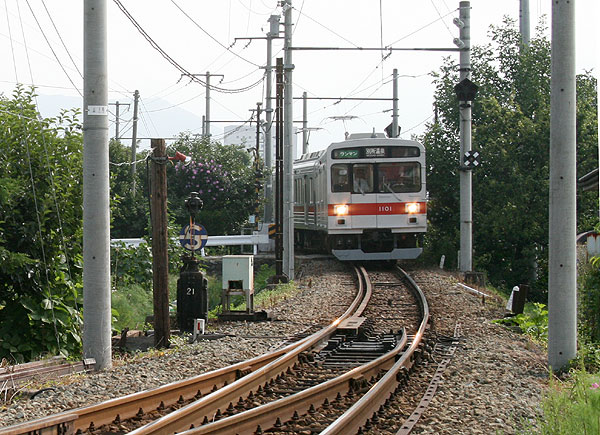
point(340, 178)
point(362, 175)
point(399, 177)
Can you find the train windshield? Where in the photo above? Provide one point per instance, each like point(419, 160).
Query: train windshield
point(399, 177)
point(364, 178)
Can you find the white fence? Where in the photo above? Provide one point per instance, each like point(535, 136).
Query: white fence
point(253, 239)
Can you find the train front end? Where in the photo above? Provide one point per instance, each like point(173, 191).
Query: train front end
point(376, 199)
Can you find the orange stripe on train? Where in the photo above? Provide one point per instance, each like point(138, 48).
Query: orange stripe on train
point(390, 208)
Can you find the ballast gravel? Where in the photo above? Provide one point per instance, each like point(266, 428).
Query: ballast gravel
point(493, 384)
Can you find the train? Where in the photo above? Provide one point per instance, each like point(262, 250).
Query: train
point(363, 199)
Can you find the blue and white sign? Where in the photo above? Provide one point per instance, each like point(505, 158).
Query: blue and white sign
point(193, 238)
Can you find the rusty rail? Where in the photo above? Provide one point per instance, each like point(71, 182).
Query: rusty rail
point(284, 409)
point(355, 417)
point(208, 406)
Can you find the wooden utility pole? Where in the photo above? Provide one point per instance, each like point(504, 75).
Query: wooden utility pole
point(160, 259)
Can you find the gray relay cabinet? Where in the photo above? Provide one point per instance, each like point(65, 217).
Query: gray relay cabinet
point(238, 279)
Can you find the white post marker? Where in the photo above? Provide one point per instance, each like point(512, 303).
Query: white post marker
point(198, 328)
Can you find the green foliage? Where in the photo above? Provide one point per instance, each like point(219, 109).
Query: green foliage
point(130, 213)
point(533, 321)
point(131, 265)
point(589, 302)
point(271, 297)
point(224, 178)
point(572, 408)
point(511, 125)
point(262, 276)
point(40, 230)
point(131, 304)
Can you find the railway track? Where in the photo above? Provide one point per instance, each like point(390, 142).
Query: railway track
point(331, 382)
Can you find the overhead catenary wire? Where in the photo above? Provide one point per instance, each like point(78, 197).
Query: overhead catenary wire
point(52, 50)
point(173, 62)
point(61, 39)
point(212, 37)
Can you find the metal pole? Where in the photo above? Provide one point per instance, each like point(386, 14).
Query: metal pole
point(96, 220)
point(279, 170)
point(304, 123)
point(395, 105)
point(207, 121)
point(273, 32)
point(562, 273)
point(160, 259)
point(524, 22)
point(117, 121)
point(288, 155)
point(466, 212)
point(136, 97)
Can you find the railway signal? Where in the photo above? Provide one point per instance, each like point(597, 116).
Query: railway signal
point(471, 159)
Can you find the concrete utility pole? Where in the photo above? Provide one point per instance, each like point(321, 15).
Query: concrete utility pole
point(466, 181)
point(272, 33)
point(524, 22)
point(117, 116)
point(562, 275)
point(96, 221)
point(304, 123)
point(136, 98)
point(395, 104)
point(288, 155)
point(160, 259)
point(206, 118)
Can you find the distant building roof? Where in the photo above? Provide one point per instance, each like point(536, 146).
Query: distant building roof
point(589, 181)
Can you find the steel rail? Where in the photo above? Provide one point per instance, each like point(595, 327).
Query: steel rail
point(128, 406)
point(207, 406)
point(356, 416)
point(267, 415)
point(284, 409)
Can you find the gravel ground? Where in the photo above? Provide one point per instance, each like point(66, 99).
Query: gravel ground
point(493, 384)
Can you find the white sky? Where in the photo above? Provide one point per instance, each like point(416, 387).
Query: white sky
point(133, 64)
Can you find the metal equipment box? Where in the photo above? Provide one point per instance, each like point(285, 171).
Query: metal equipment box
point(238, 279)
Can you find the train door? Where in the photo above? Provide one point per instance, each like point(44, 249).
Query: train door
point(364, 198)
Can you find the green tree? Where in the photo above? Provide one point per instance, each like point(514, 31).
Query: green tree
point(40, 229)
point(511, 129)
point(223, 176)
point(130, 215)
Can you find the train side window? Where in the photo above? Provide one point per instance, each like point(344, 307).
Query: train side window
point(399, 177)
point(362, 175)
point(340, 178)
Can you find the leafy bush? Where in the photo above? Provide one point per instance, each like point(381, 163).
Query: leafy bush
point(533, 321)
point(131, 304)
point(40, 230)
point(589, 302)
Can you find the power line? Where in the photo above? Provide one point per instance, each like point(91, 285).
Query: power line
point(61, 40)
point(212, 37)
point(173, 62)
point(52, 49)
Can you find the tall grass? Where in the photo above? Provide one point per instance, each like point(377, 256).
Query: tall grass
point(573, 407)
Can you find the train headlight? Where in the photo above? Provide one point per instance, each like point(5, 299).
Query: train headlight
point(412, 207)
point(340, 209)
